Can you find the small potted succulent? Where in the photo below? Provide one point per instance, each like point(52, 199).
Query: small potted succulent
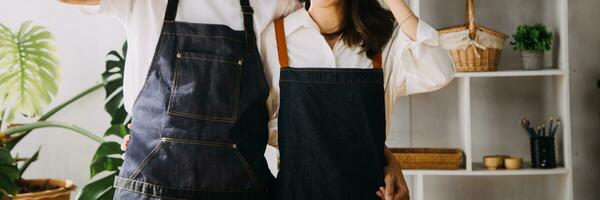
point(532, 41)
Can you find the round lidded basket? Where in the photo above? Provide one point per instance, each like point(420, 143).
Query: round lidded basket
point(473, 48)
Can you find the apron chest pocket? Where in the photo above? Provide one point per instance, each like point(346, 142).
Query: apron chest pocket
point(206, 86)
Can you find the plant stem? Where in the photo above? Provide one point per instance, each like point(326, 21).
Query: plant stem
point(44, 124)
point(66, 103)
point(73, 99)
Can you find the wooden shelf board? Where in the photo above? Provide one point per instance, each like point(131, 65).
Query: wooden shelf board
point(514, 73)
point(479, 170)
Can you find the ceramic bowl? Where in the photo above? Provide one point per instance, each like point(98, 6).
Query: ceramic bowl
point(493, 162)
point(513, 163)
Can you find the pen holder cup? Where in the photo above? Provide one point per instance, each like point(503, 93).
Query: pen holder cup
point(543, 154)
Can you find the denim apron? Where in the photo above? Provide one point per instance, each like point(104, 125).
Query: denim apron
point(331, 130)
point(200, 121)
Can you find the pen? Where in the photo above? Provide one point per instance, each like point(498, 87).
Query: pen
point(550, 128)
point(544, 130)
point(558, 122)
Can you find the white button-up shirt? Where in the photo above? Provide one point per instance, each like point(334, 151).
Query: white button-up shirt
point(143, 19)
point(409, 67)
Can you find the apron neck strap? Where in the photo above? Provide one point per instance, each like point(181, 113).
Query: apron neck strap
point(377, 61)
point(247, 11)
point(282, 47)
point(171, 12)
point(281, 43)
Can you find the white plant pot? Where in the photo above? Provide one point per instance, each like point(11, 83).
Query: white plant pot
point(533, 60)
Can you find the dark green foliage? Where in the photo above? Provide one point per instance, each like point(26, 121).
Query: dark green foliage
point(99, 189)
point(108, 155)
point(532, 38)
point(9, 173)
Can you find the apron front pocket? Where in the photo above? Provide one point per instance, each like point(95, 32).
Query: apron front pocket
point(206, 86)
point(197, 165)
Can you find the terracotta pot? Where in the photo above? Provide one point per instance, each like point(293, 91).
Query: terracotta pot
point(63, 192)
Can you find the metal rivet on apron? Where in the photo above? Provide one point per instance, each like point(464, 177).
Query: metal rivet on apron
point(240, 62)
point(234, 146)
point(178, 55)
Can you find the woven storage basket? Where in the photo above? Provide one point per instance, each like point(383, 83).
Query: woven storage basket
point(473, 48)
point(428, 158)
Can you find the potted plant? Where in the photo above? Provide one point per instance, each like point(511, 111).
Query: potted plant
point(532, 41)
point(28, 82)
point(12, 184)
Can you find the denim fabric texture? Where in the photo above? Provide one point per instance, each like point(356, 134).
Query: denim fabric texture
point(200, 122)
point(331, 134)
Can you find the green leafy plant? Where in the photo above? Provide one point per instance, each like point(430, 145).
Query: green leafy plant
point(107, 159)
point(9, 138)
point(532, 38)
point(28, 73)
point(29, 70)
point(9, 172)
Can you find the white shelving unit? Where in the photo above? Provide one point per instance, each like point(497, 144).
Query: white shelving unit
point(553, 13)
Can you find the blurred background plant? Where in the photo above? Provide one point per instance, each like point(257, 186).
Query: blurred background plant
point(29, 73)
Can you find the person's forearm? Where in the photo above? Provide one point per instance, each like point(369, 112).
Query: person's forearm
point(401, 11)
point(81, 2)
point(391, 160)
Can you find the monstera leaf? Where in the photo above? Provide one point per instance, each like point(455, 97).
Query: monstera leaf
point(28, 70)
point(107, 160)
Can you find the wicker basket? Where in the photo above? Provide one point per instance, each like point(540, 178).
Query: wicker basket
point(428, 158)
point(474, 54)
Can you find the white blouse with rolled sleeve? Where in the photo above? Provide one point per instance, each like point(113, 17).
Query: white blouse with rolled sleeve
point(409, 67)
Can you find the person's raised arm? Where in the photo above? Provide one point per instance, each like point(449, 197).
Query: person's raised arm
point(120, 9)
point(81, 2)
point(406, 19)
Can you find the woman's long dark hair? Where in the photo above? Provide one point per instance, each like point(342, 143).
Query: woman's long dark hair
point(366, 24)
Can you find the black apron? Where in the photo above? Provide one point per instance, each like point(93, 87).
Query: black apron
point(200, 121)
point(331, 131)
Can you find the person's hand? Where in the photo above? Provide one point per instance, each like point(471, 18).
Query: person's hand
point(125, 142)
point(395, 185)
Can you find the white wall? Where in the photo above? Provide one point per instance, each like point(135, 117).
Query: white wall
point(585, 97)
point(82, 42)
